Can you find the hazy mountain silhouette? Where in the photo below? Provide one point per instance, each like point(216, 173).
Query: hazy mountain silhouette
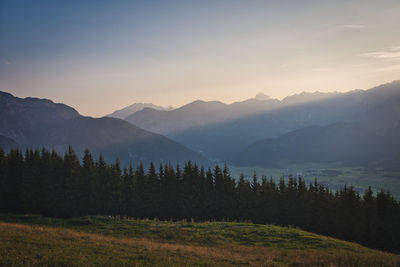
point(200, 113)
point(369, 137)
point(352, 144)
point(220, 131)
point(217, 130)
point(197, 114)
point(191, 115)
point(306, 97)
point(262, 96)
point(36, 122)
point(7, 143)
point(126, 111)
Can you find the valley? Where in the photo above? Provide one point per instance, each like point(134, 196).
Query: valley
point(333, 175)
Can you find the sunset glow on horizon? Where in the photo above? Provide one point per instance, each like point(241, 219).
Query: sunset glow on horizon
point(100, 56)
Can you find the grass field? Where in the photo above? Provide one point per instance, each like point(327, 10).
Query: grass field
point(331, 174)
point(38, 241)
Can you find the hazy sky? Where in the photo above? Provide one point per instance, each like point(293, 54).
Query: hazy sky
point(98, 56)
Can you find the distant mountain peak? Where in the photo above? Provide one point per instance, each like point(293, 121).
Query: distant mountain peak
point(262, 96)
point(5, 94)
point(304, 97)
point(203, 104)
point(129, 110)
point(49, 108)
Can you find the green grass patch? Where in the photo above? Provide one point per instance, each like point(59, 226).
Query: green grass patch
point(112, 241)
point(183, 232)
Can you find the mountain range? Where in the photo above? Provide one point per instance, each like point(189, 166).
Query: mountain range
point(223, 132)
point(201, 113)
point(33, 122)
point(126, 111)
point(351, 144)
point(360, 127)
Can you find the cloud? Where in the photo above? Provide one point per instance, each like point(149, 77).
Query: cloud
point(385, 56)
point(392, 53)
point(389, 68)
point(354, 26)
point(395, 48)
point(7, 62)
point(320, 69)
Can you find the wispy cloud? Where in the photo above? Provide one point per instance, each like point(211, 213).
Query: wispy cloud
point(392, 53)
point(7, 62)
point(354, 26)
point(386, 56)
point(320, 69)
point(383, 55)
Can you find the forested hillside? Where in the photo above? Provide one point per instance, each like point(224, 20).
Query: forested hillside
point(44, 182)
point(33, 122)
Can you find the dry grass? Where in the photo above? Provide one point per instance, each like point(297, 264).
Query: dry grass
point(22, 245)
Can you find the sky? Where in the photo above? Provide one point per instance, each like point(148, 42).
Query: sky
point(99, 56)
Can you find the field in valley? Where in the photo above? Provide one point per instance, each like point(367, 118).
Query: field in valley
point(332, 175)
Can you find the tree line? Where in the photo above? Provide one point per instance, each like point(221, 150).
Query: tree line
point(44, 182)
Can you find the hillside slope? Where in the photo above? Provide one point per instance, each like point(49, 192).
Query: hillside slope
point(7, 143)
point(352, 144)
point(33, 122)
point(115, 242)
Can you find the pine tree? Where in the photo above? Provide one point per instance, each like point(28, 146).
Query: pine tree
point(87, 184)
point(101, 186)
point(128, 191)
point(139, 193)
point(115, 189)
point(2, 180)
point(13, 179)
point(244, 196)
point(31, 184)
point(152, 197)
point(72, 169)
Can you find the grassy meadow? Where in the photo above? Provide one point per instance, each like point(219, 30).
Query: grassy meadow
point(30, 240)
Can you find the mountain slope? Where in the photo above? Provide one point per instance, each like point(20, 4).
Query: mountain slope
point(228, 129)
point(201, 113)
point(350, 143)
point(39, 122)
point(126, 111)
point(7, 143)
point(370, 137)
point(190, 115)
